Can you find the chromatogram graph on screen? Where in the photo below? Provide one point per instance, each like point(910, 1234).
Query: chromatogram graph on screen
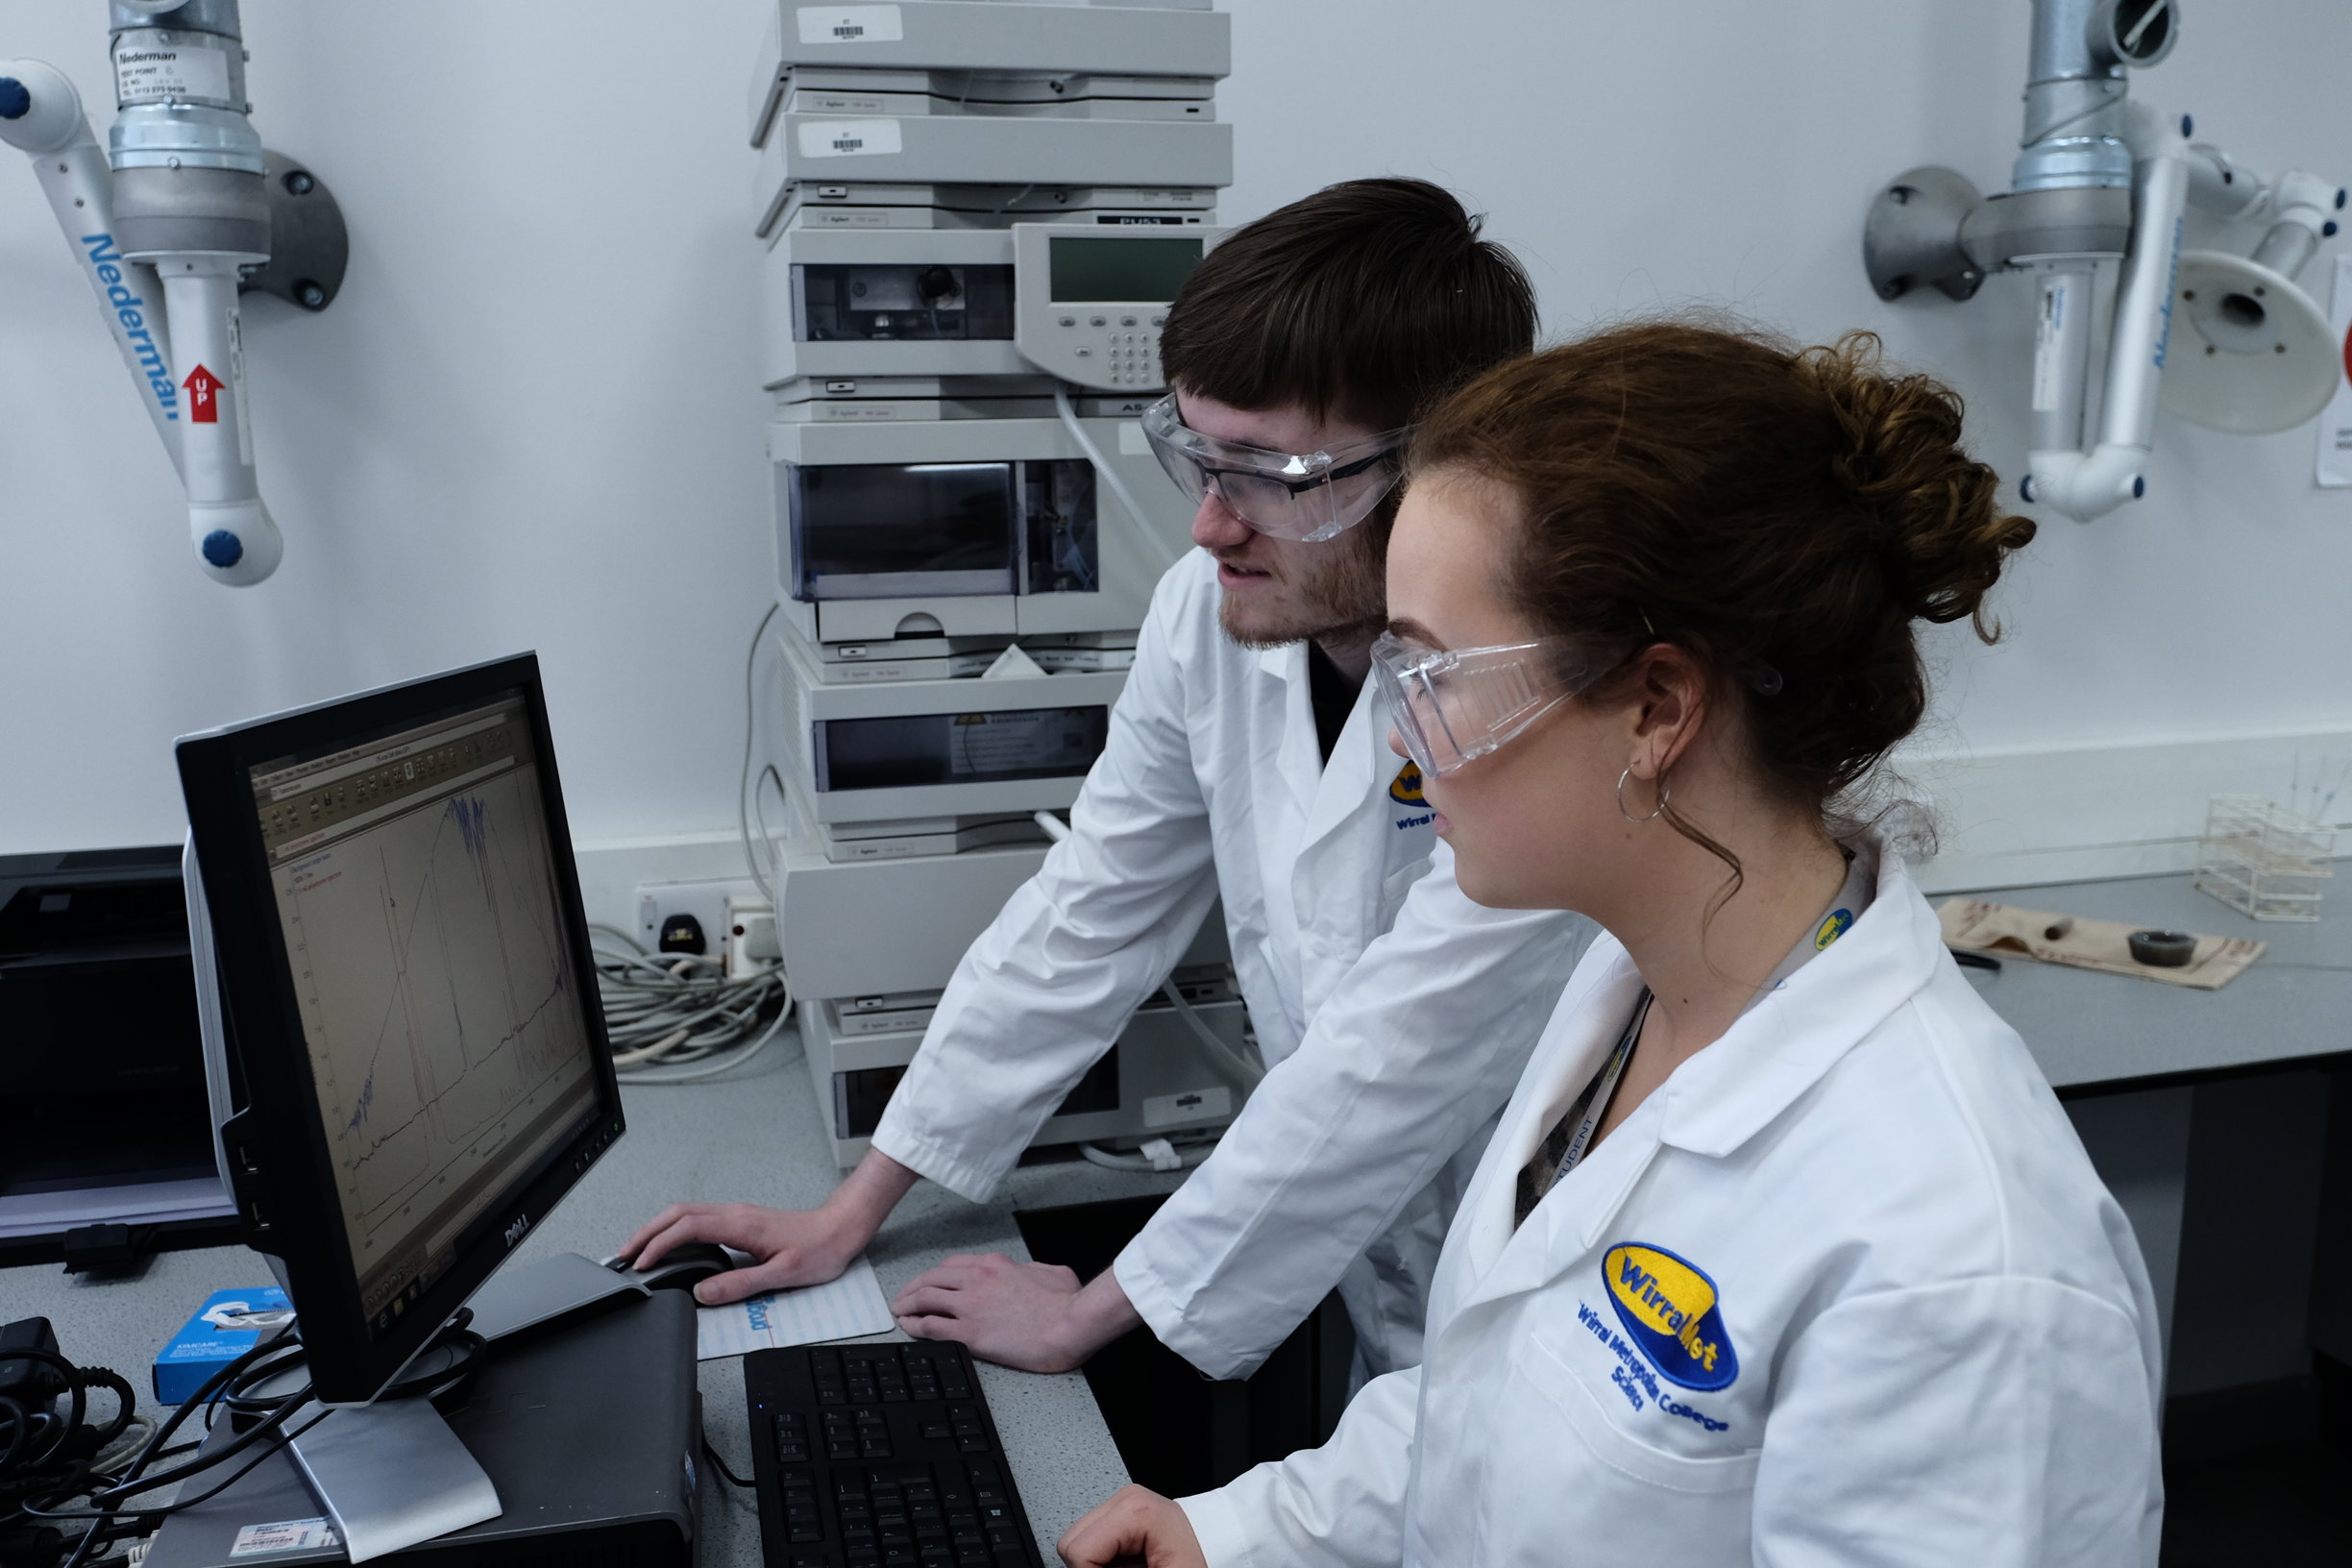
point(443, 1010)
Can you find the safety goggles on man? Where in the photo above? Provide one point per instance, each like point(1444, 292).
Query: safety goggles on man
point(1455, 705)
point(1309, 497)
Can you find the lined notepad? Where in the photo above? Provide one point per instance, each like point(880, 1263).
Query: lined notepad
point(843, 1310)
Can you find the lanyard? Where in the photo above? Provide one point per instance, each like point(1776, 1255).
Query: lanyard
point(1604, 1089)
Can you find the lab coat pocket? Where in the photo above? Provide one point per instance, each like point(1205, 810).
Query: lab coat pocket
point(1548, 1370)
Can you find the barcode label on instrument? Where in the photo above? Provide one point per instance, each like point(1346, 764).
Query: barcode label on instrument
point(285, 1535)
point(850, 24)
point(849, 139)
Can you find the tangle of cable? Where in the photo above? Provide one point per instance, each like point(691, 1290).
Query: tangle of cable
point(49, 1462)
point(680, 1017)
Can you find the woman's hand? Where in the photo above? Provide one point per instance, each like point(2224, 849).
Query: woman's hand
point(1136, 1524)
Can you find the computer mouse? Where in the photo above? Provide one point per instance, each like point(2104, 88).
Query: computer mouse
point(681, 1268)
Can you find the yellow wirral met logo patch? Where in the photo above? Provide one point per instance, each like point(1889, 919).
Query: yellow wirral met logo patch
point(1671, 1309)
point(1406, 790)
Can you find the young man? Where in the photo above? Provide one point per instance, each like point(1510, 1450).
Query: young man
point(1245, 759)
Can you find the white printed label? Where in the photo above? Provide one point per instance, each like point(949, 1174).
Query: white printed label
point(849, 139)
point(838, 103)
point(2050, 345)
point(286, 1536)
point(1132, 442)
point(236, 389)
point(151, 74)
point(850, 24)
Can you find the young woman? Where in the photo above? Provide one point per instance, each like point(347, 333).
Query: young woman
point(1784, 1251)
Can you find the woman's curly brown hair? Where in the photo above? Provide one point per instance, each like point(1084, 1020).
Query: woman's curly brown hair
point(1782, 514)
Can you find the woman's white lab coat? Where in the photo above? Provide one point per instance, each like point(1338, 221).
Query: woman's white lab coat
point(1843, 1290)
point(1393, 1013)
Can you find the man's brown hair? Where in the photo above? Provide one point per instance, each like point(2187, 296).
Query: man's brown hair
point(1368, 300)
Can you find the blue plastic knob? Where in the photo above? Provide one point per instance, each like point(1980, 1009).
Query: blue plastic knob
point(2139, 486)
point(2187, 125)
point(15, 102)
point(223, 548)
point(2025, 489)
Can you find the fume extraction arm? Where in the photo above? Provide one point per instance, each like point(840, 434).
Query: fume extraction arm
point(2097, 196)
point(180, 210)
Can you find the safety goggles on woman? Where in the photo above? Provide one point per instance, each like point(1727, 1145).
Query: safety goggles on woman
point(1309, 497)
point(1455, 705)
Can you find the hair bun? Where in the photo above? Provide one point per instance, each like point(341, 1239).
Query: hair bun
point(1942, 533)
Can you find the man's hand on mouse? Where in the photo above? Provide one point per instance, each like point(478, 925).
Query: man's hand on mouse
point(789, 1247)
point(1033, 1316)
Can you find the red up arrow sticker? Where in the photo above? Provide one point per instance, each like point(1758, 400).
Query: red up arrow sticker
point(203, 403)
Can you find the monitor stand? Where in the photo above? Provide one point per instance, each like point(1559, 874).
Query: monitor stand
point(392, 1474)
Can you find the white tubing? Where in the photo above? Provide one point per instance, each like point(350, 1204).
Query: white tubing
point(235, 541)
point(2300, 204)
point(1175, 1159)
point(1236, 1067)
point(73, 173)
point(2143, 303)
point(2088, 485)
point(1110, 477)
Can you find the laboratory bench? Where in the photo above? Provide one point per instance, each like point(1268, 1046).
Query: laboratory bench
point(753, 1138)
point(2130, 1058)
point(2103, 1034)
point(2222, 1121)
point(2208, 1112)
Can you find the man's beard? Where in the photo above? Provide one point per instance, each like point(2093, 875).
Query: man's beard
point(1345, 597)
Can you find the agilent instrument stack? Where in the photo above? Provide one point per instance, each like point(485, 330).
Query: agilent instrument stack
point(976, 214)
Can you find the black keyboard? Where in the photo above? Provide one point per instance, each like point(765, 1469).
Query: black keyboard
point(880, 1456)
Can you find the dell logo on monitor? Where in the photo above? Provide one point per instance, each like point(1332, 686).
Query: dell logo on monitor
point(514, 1232)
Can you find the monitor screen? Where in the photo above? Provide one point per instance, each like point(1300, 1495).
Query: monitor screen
point(406, 967)
point(443, 1018)
point(1123, 271)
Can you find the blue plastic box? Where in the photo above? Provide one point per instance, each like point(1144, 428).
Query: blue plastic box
point(223, 1328)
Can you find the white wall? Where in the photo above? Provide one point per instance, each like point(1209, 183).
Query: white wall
point(531, 420)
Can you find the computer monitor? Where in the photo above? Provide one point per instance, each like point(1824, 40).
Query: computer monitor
point(418, 1066)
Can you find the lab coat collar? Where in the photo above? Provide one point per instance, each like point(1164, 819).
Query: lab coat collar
point(1709, 1105)
point(1784, 1045)
point(1591, 1016)
point(1350, 781)
point(1329, 794)
point(1299, 756)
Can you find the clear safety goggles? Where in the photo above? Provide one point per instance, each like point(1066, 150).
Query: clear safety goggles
point(1455, 705)
point(1310, 496)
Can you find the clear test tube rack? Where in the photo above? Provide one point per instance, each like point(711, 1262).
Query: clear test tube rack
point(2262, 859)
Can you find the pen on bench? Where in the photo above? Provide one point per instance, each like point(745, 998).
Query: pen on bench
point(1975, 961)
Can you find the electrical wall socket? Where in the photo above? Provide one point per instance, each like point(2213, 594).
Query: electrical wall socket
point(751, 928)
point(705, 901)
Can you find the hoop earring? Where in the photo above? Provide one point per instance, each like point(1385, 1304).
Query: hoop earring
point(1665, 790)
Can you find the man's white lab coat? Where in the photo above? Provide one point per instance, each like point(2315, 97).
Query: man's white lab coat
point(1843, 1290)
point(1393, 1014)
